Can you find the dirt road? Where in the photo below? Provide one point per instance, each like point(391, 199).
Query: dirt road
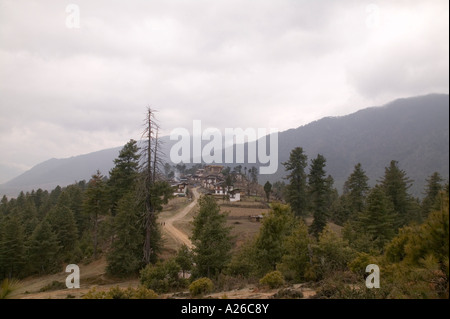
point(174, 232)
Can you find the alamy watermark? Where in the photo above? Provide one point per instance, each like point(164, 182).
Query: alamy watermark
point(219, 143)
point(73, 280)
point(373, 279)
point(373, 16)
point(73, 16)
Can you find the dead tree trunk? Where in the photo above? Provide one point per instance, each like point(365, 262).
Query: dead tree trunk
point(148, 180)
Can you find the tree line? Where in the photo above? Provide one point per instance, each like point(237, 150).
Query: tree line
point(40, 231)
point(388, 204)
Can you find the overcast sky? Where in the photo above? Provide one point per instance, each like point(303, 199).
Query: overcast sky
point(66, 91)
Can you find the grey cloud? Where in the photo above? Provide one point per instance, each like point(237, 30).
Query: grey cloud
point(229, 63)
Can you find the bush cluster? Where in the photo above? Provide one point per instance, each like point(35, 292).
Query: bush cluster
point(162, 277)
point(201, 286)
point(273, 279)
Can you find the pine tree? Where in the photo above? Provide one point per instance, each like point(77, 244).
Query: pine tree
point(39, 198)
point(12, 248)
point(54, 195)
point(342, 210)
point(95, 204)
point(184, 259)
point(126, 255)
point(332, 194)
point(2, 253)
point(123, 176)
point(276, 226)
point(431, 201)
point(297, 260)
point(377, 220)
point(436, 233)
point(42, 250)
point(73, 197)
point(211, 238)
point(63, 225)
point(49, 200)
point(318, 194)
point(395, 185)
point(28, 215)
point(296, 189)
point(20, 200)
point(267, 190)
point(4, 205)
point(356, 189)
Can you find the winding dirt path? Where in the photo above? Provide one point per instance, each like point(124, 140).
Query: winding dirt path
point(177, 234)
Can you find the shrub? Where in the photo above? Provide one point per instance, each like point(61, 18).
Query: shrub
point(273, 279)
point(143, 293)
point(94, 294)
point(243, 261)
point(359, 263)
point(227, 282)
point(7, 286)
point(201, 286)
point(347, 285)
point(117, 293)
point(331, 254)
point(161, 277)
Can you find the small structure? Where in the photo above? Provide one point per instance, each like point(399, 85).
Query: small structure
point(213, 169)
point(234, 195)
point(256, 218)
point(180, 189)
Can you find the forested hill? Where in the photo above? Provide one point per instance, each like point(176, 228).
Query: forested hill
point(413, 131)
point(53, 172)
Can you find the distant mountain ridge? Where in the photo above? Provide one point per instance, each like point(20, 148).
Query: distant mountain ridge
point(53, 172)
point(414, 131)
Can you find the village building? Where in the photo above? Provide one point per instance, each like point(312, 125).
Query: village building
point(221, 188)
point(179, 189)
point(213, 169)
point(209, 182)
point(211, 179)
point(234, 195)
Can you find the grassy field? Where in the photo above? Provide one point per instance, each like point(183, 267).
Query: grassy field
point(238, 218)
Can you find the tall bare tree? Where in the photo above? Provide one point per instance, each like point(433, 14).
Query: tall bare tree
point(153, 191)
